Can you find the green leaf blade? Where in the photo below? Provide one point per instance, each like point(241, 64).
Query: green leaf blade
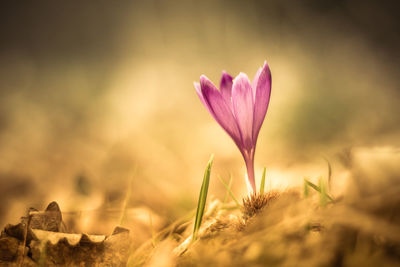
point(227, 193)
point(306, 192)
point(318, 189)
point(323, 195)
point(228, 189)
point(201, 204)
point(263, 181)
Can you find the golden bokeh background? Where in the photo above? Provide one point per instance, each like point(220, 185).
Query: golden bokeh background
point(95, 94)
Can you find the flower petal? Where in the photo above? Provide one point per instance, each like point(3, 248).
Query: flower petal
point(220, 109)
point(262, 96)
point(226, 87)
point(200, 94)
point(243, 108)
point(255, 81)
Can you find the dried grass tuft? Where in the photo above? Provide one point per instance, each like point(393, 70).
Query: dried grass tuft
point(254, 203)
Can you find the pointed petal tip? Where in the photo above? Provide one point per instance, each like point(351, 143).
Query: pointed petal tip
point(264, 70)
point(226, 75)
point(241, 75)
point(197, 86)
point(203, 77)
point(265, 66)
point(206, 83)
point(225, 86)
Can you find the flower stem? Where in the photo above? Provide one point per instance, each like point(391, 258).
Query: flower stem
point(250, 172)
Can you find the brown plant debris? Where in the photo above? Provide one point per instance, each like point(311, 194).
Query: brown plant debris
point(296, 231)
point(49, 220)
point(40, 240)
point(254, 203)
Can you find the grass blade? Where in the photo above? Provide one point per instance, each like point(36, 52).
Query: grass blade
point(306, 192)
point(202, 198)
point(263, 182)
point(329, 171)
point(323, 195)
point(317, 188)
point(229, 190)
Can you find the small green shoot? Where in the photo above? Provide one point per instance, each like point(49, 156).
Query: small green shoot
point(329, 171)
point(263, 182)
point(228, 189)
point(202, 198)
point(306, 192)
point(317, 188)
point(323, 196)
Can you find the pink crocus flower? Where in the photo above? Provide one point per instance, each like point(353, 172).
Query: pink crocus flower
point(239, 107)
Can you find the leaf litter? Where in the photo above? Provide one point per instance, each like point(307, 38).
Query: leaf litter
point(282, 228)
point(40, 239)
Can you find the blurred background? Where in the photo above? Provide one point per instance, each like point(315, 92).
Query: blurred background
point(97, 101)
